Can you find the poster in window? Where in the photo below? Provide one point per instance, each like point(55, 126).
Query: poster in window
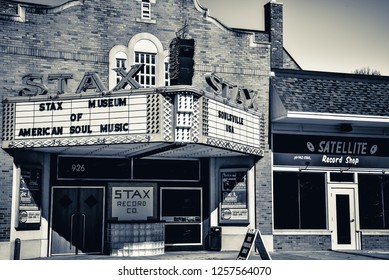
point(30, 198)
point(233, 206)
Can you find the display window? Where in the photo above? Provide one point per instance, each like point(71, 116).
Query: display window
point(299, 200)
point(373, 201)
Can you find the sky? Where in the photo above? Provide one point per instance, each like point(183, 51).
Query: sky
point(321, 35)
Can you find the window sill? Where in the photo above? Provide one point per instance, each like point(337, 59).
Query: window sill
point(302, 232)
point(152, 21)
point(374, 231)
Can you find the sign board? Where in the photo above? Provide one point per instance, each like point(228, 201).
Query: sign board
point(261, 248)
point(30, 198)
point(132, 202)
point(80, 117)
point(330, 151)
point(71, 167)
point(133, 117)
point(233, 206)
point(232, 124)
point(253, 236)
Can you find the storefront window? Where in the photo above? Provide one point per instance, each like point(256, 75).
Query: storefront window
point(299, 200)
point(373, 201)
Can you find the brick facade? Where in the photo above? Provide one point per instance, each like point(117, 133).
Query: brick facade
point(77, 38)
point(375, 242)
point(6, 174)
point(302, 242)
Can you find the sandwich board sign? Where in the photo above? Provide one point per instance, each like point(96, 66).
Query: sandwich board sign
point(253, 236)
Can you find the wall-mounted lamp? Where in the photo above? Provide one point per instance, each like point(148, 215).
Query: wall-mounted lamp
point(307, 163)
point(346, 127)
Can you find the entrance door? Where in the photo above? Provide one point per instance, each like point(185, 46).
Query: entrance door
point(77, 216)
point(342, 218)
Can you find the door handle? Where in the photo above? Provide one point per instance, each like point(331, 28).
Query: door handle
point(71, 230)
point(352, 221)
point(83, 230)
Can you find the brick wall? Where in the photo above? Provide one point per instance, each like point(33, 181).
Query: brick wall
point(6, 174)
point(274, 27)
point(8, 8)
point(375, 242)
point(302, 242)
point(78, 39)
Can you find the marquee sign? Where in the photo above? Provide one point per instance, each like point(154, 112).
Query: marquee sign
point(227, 117)
point(81, 117)
point(232, 125)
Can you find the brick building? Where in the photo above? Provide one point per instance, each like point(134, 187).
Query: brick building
point(133, 161)
point(135, 127)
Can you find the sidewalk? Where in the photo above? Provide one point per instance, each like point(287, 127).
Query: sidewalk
point(231, 255)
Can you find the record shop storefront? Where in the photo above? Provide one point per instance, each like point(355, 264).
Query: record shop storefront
point(330, 152)
point(331, 191)
point(131, 172)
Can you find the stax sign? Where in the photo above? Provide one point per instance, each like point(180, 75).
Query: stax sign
point(235, 93)
point(90, 81)
point(132, 203)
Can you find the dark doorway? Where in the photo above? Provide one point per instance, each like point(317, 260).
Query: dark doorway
point(77, 220)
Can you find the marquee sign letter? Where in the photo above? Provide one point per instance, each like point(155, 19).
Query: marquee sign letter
point(128, 77)
point(91, 81)
point(34, 88)
point(62, 81)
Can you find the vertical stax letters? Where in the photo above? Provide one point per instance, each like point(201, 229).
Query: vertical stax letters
point(235, 93)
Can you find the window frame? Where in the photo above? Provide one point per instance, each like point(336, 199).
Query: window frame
point(130, 49)
point(298, 204)
point(382, 199)
point(147, 77)
point(145, 10)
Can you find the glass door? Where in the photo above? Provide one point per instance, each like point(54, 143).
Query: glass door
point(343, 217)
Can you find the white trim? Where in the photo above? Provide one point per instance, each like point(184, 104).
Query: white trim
point(332, 117)
point(160, 54)
point(372, 232)
point(301, 232)
point(335, 189)
point(112, 64)
point(129, 50)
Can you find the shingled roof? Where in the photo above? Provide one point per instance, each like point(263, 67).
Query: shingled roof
point(331, 93)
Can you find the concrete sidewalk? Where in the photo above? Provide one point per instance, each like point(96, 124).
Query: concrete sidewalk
point(232, 255)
